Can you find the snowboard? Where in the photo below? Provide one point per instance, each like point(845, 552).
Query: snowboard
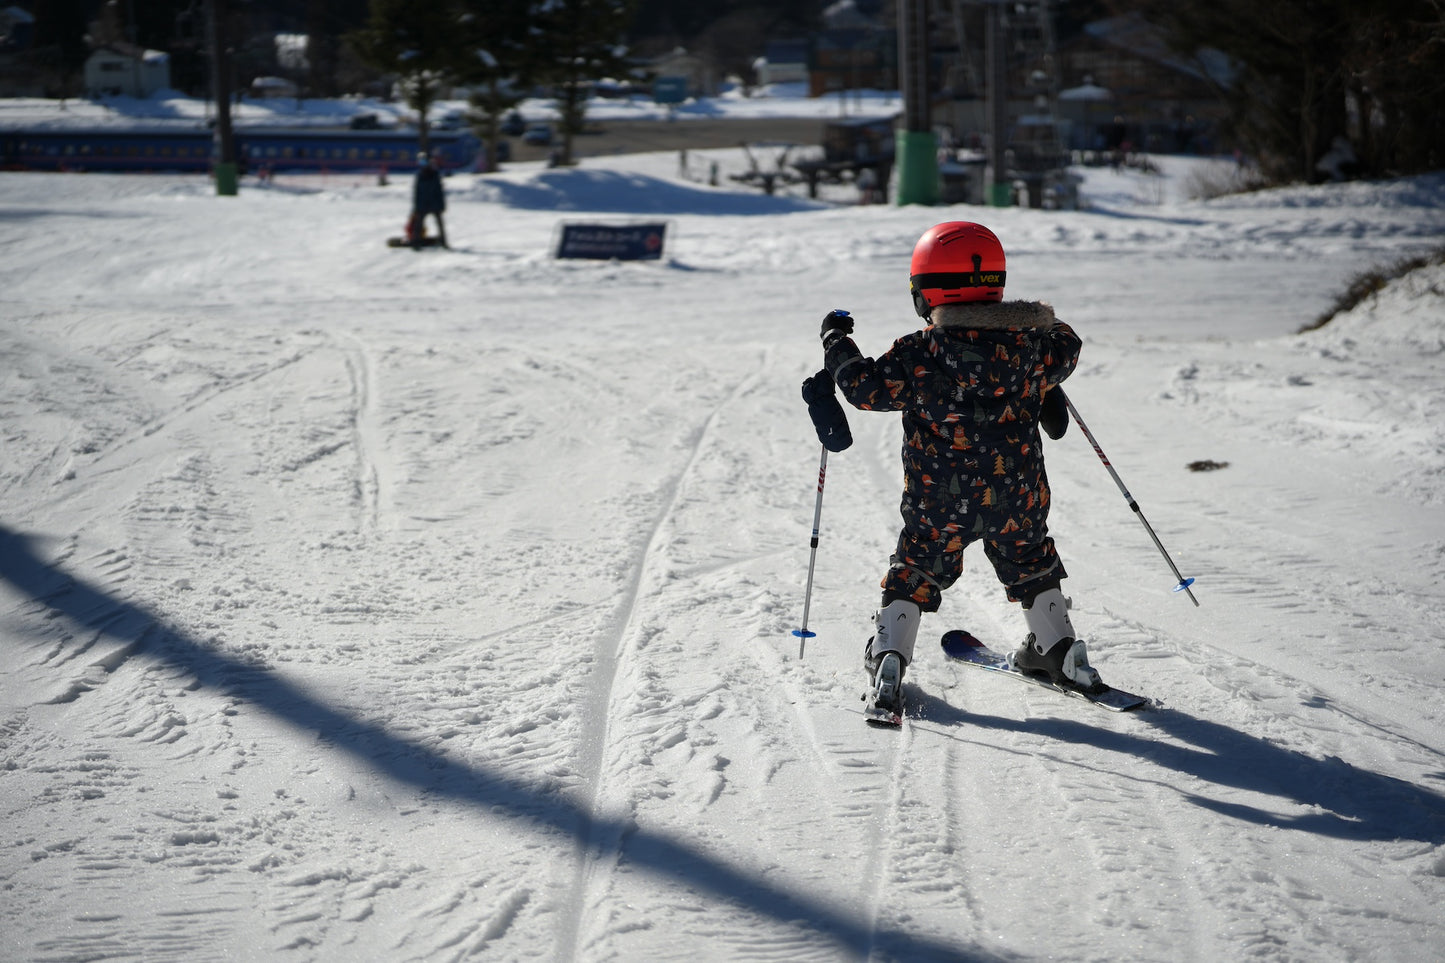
point(960, 646)
point(403, 242)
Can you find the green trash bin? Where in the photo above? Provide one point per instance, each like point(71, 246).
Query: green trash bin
point(226, 180)
point(917, 153)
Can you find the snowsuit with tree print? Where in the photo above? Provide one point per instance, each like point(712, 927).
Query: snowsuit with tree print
point(969, 387)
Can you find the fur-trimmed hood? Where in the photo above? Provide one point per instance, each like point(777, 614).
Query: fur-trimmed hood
point(994, 315)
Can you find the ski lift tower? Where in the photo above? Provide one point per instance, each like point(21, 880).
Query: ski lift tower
point(1018, 32)
point(915, 147)
point(1033, 153)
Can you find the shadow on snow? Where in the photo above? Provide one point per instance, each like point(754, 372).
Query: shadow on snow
point(599, 191)
point(145, 634)
point(1344, 801)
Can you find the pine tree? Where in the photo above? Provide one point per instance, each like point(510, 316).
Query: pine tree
point(496, 61)
point(581, 41)
point(417, 42)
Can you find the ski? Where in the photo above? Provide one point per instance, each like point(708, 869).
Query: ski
point(961, 646)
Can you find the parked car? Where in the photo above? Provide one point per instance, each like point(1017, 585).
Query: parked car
point(451, 120)
point(538, 135)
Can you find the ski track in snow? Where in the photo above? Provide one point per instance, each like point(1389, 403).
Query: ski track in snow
point(373, 488)
point(598, 850)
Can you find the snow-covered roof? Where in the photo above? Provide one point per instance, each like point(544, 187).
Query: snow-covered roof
point(132, 52)
point(1091, 92)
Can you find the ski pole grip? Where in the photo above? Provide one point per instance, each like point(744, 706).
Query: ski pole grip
point(827, 414)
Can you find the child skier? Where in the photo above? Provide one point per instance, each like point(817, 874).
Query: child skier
point(971, 387)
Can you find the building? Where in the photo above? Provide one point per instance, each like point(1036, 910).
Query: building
point(124, 70)
point(782, 62)
point(274, 87)
point(700, 76)
point(17, 30)
point(854, 51)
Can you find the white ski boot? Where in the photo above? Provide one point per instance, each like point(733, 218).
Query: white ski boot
point(1052, 650)
point(886, 656)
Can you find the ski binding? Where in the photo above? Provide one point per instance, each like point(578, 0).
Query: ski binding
point(880, 717)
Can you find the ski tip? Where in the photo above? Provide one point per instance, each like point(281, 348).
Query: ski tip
point(1183, 586)
point(958, 638)
point(804, 633)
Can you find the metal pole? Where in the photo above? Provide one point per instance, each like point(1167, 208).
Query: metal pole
point(225, 145)
point(996, 66)
point(915, 146)
point(1184, 583)
point(803, 634)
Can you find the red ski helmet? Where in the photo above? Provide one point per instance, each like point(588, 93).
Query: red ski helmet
point(956, 262)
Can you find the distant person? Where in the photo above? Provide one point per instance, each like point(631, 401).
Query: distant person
point(427, 197)
point(867, 186)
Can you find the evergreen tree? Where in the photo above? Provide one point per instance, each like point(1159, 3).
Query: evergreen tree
point(495, 60)
point(574, 42)
point(60, 48)
point(418, 43)
point(321, 51)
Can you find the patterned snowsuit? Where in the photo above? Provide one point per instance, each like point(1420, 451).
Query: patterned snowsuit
point(969, 387)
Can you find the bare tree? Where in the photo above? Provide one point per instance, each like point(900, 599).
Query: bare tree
point(1312, 73)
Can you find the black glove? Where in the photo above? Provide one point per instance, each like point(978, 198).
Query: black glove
point(828, 418)
point(1054, 414)
point(837, 324)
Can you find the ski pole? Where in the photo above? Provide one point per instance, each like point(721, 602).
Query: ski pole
point(832, 427)
point(1184, 583)
point(803, 634)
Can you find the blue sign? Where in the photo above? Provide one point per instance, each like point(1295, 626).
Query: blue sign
point(605, 242)
point(669, 90)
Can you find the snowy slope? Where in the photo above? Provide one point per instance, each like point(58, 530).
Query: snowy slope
point(367, 604)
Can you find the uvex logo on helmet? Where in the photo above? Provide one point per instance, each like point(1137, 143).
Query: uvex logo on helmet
point(956, 262)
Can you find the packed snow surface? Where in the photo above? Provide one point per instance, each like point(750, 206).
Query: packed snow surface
point(368, 604)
